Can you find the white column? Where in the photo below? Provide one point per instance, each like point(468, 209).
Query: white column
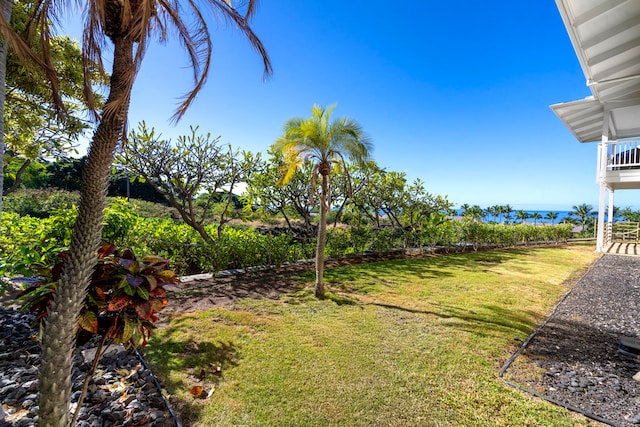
point(601, 207)
point(602, 172)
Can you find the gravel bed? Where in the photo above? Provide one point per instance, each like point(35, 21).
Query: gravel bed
point(574, 359)
point(121, 393)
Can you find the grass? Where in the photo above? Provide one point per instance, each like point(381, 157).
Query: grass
point(401, 343)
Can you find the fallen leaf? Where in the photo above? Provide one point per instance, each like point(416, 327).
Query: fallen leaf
point(211, 391)
point(196, 390)
point(202, 374)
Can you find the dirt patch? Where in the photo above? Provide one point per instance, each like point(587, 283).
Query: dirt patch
point(225, 290)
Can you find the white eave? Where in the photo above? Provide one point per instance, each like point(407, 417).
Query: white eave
point(606, 38)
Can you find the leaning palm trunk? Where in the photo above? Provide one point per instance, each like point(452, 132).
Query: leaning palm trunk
point(59, 338)
point(322, 240)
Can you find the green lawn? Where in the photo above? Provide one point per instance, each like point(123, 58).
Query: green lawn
point(400, 343)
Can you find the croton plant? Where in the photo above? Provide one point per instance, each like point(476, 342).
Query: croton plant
point(123, 299)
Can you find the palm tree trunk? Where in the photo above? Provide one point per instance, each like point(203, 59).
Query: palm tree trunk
point(6, 6)
point(59, 334)
point(322, 240)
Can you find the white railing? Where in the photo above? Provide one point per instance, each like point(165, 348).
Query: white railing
point(623, 155)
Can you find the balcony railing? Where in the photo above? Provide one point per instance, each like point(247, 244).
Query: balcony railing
point(622, 155)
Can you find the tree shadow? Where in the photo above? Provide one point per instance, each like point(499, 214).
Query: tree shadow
point(480, 321)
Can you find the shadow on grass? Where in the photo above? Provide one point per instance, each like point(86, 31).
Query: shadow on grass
point(481, 320)
point(364, 278)
point(200, 364)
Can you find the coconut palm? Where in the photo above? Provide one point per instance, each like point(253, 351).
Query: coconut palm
point(584, 212)
point(129, 25)
point(522, 215)
point(507, 210)
point(536, 216)
point(552, 216)
point(327, 144)
point(475, 212)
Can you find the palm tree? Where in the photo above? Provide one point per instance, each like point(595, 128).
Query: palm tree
point(552, 216)
point(129, 25)
point(325, 143)
point(507, 210)
point(475, 212)
point(492, 212)
point(536, 216)
point(522, 215)
point(584, 212)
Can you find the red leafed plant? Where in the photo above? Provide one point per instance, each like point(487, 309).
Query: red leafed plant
point(122, 303)
point(124, 296)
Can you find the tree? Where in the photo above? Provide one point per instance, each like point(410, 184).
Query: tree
point(5, 13)
point(195, 167)
point(630, 215)
point(265, 193)
point(418, 205)
point(507, 210)
point(465, 208)
point(326, 144)
point(492, 212)
point(522, 215)
point(584, 212)
point(475, 213)
point(129, 27)
point(552, 216)
point(34, 129)
point(536, 216)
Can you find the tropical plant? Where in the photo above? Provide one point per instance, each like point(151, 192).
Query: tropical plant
point(507, 210)
point(327, 144)
point(522, 215)
point(584, 212)
point(35, 131)
point(295, 198)
point(129, 26)
point(552, 216)
point(629, 214)
point(536, 216)
point(122, 302)
point(5, 13)
point(475, 213)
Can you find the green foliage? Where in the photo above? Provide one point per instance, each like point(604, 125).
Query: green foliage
point(120, 218)
point(123, 299)
point(34, 127)
point(630, 215)
point(38, 203)
point(28, 241)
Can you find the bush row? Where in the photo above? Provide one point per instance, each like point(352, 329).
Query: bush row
point(27, 240)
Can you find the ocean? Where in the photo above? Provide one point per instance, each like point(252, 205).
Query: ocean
point(514, 219)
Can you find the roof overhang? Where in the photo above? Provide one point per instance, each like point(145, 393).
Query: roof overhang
point(606, 38)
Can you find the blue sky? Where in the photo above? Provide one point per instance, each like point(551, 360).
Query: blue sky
point(454, 93)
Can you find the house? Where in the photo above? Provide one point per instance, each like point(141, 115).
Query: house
point(606, 38)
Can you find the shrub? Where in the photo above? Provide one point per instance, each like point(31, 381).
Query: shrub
point(38, 203)
point(123, 299)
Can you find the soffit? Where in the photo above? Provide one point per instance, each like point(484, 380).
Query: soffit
point(606, 38)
